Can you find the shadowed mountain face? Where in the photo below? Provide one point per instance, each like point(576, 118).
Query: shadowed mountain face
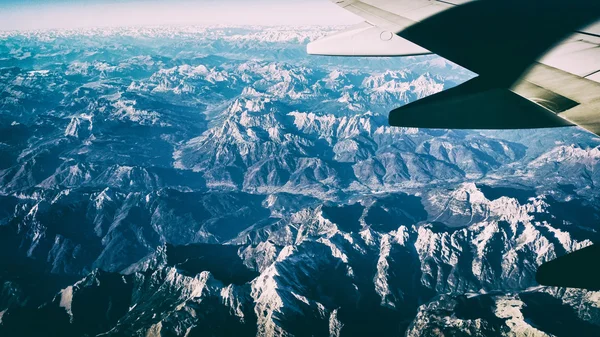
point(217, 181)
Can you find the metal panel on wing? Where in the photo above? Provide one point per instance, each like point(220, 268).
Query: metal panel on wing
point(364, 40)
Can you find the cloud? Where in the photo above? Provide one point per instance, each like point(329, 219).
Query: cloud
point(51, 15)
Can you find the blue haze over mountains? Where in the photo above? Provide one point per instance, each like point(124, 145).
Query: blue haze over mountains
point(193, 181)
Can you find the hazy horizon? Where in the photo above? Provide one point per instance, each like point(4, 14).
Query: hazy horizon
point(43, 15)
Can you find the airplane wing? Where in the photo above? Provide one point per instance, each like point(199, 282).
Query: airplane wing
point(529, 55)
point(538, 65)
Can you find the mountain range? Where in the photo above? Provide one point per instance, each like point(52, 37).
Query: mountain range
point(193, 181)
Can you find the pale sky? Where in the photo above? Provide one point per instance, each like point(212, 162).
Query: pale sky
point(51, 14)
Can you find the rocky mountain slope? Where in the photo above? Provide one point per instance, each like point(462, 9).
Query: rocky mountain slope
point(198, 181)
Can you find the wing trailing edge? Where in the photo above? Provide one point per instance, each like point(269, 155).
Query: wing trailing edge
point(475, 104)
point(578, 269)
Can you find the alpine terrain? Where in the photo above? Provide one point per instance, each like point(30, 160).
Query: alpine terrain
point(218, 181)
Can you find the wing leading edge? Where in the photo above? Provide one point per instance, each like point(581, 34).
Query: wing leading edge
point(538, 65)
